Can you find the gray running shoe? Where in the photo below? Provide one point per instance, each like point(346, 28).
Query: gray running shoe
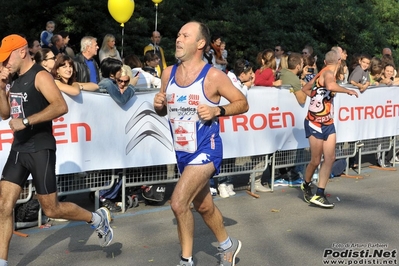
point(104, 230)
point(186, 263)
point(321, 201)
point(227, 257)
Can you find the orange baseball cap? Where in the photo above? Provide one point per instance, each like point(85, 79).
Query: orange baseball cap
point(9, 44)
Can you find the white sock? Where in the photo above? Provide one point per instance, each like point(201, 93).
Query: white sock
point(226, 244)
point(190, 259)
point(3, 262)
point(95, 219)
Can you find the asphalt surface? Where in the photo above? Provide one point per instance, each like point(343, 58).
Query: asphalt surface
point(278, 228)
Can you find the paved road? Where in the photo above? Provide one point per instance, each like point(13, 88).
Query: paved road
point(293, 234)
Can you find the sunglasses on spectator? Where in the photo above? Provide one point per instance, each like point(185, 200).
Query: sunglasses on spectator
point(123, 81)
point(277, 50)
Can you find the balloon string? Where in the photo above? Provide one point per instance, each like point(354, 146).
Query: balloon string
point(123, 33)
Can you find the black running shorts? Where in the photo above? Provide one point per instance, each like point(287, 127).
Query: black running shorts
point(40, 164)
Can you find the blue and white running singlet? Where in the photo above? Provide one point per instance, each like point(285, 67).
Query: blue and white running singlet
point(196, 141)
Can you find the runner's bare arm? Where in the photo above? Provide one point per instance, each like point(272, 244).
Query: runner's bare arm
point(160, 97)
point(331, 84)
point(217, 84)
point(4, 101)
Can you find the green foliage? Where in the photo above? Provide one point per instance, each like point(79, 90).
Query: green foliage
point(248, 27)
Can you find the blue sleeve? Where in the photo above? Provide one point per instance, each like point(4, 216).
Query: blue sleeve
point(114, 92)
point(44, 38)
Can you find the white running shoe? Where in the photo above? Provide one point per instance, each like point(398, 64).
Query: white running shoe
point(223, 192)
point(230, 189)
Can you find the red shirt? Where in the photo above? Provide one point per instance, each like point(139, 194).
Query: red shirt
point(264, 77)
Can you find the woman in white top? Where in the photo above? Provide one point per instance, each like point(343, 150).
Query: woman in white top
point(108, 48)
point(146, 80)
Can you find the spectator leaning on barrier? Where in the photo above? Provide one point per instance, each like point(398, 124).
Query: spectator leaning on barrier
point(290, 76)
point(64, 74)
point(33, 101)
point(319, 128)
point(360, 76)
point(199, 156)
point(265, 76)
point(242, 77)
point(111, 70)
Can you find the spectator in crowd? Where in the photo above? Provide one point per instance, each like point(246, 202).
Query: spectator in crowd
point(307, 73)
point(64, 74)
point(108, 48)
point(151, 61)
point(388, 77)
point(33, 46)
point(145, 79)
point(208, 56)
point(344, 66)
point(353, 63)
point(193, 74)
point(224, 53)
point(218, 61)
point(290, 76)
point(319, 128)
point(158, 50)
point(388, 60)
point(376, 70)
point(386, 51)
point(66, 49)
point(308, 51)
point(279, 52)
point(45, 36)
point(111, 70)
point(87, 69)
point(265, 76)
point(46, 58)
point(242, 77)
point(57, 44)
point(284, 61)
point(360, 76)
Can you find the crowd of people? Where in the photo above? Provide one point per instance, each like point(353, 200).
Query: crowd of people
point(202, 62)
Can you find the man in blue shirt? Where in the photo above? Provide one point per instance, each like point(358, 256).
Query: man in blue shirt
point(87, 69)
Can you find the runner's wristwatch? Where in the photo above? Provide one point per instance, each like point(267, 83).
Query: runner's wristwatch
point(222, 111)
point(25, 121)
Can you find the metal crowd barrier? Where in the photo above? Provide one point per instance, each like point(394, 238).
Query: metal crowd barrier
point(290, 158)
point(91, 181)
point(26, 194)
point(94, 181)
point(374, 146)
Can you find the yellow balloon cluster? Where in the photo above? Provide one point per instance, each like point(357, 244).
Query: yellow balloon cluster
point(121, 10)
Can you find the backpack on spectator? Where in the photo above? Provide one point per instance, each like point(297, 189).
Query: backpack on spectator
point(338, 167)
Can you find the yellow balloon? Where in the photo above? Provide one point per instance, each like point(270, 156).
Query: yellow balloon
point(156, 2)
point(121, 10)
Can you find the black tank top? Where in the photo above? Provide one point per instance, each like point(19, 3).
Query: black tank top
point(26, 100)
